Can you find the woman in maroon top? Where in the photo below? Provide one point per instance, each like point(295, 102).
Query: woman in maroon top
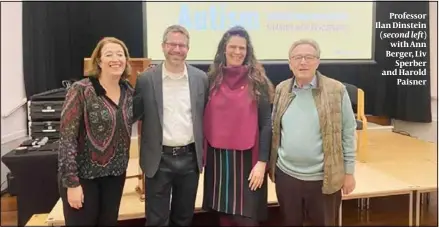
point(95, 138)
point(237, 128)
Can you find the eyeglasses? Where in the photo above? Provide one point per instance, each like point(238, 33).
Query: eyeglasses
point(174, 45)
point(306, 57)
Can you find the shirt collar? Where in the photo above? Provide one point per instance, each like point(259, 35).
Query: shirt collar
point(310, 85)
point(100, 90)
point(165, 73)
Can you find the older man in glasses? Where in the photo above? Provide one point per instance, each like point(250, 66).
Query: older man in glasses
point(313, 147)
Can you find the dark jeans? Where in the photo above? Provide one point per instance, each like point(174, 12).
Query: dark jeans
point(297, 198)
point(102, 198)
point(177, 174)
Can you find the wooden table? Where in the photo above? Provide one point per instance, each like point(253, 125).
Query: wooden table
point(386, 170)
point(392, 153)
point(373, 183)
point(422, 174)
point(132, 208)
point(133, 167)
point(384, 146)
point(37, 220)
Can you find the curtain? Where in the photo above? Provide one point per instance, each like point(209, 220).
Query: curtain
point(58, 35)
point(409, 103)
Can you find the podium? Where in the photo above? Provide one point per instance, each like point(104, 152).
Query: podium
point(138, 65)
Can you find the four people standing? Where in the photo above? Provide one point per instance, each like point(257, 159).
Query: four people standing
point(222, 122)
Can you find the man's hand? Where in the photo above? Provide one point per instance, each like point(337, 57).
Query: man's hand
point(349, 184)
point(257, 176)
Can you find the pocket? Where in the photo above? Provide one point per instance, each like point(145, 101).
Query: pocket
point(188, 162)
point(166, 164)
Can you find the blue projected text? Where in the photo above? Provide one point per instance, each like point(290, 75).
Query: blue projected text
point(216, 18)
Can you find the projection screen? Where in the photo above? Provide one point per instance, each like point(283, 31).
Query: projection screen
point(344, 30)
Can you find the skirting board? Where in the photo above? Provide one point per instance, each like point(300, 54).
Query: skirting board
point(13, 136)
point(373, 126)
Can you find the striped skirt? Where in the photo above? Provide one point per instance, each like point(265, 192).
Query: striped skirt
point(226, 185)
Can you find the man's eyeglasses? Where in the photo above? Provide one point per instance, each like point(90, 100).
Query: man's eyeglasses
point(306, 57)
point(174, 45)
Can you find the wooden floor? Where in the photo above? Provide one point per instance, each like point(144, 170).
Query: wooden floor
point(9, 210)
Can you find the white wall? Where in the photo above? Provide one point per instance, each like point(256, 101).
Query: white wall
point(12, 82)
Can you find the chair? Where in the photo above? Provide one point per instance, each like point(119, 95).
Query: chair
point(138, 65)
point(356, 96)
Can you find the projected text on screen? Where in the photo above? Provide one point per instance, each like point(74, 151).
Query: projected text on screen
point(344, 30)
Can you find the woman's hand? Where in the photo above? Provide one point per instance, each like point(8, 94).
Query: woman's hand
point(75, 197)
point(257, 176)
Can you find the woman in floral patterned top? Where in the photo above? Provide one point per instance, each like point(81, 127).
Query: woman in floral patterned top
point(95, 138)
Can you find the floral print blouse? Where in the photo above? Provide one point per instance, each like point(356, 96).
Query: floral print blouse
point(95, 132)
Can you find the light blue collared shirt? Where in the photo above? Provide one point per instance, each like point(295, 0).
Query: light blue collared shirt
point(312, 84)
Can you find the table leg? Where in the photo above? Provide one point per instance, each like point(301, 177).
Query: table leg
point(411, 209)
point(360, 212)
point(362, 203)
point(367, 216)
point(418, 207)
point(340, 216)
point(426, 197)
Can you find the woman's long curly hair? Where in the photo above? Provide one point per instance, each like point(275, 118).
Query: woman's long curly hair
point(259, 82)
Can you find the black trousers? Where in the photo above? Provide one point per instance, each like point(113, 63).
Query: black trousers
point(177, 175)
point(102, 198)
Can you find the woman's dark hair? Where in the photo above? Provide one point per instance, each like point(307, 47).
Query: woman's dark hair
point(259, 83)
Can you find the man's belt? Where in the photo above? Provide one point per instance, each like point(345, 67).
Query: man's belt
point(175, 151)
